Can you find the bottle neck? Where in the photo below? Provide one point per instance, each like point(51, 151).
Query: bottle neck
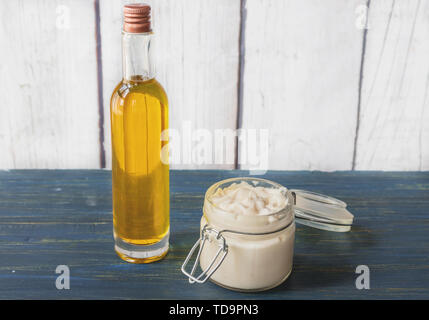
point(136, 56)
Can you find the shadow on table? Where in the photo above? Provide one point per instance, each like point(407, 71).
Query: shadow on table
point(325, 259)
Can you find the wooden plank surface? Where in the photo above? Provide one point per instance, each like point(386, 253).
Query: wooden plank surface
point(48, 218)
point(197, 46)
point(394, 117)
point(49, 111)
point(301, 78)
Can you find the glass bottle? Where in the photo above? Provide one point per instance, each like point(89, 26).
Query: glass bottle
point(140, 170)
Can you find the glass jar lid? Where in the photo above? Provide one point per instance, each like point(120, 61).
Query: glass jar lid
point(321, 212)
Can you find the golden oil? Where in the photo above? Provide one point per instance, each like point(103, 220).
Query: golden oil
point(140, 179)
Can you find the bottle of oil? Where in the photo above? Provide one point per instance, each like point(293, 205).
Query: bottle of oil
point(139, 120)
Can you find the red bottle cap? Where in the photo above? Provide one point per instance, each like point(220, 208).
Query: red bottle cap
point(137, 18)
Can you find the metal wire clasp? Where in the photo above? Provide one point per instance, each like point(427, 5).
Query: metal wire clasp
point(222, 252)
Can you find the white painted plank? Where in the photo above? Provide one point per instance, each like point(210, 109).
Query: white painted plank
point(394, 121)
point(49, 112)
point(196, 61)
point(301, 80)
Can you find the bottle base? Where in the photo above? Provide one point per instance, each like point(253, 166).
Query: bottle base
point(142, 253)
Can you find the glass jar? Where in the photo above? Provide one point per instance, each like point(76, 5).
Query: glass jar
point(255, 252)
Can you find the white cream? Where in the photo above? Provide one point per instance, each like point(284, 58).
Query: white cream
point(253, 262)
point(243, 198)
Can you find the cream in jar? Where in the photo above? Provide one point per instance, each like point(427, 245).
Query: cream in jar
point(256, 220)
point(248, 231)
point(243, 198)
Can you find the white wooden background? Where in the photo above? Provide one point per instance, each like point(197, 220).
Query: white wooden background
point(341, 85)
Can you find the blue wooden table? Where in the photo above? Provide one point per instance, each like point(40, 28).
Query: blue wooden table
point(51, 218)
